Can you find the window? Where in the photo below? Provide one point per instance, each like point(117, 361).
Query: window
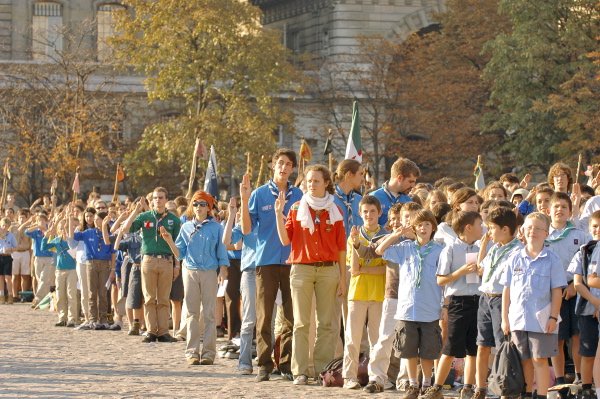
point(278, 135)
point(106, 29)
point(47, 37)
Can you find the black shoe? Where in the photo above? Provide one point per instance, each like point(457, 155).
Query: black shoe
point(588, 394)
point(61, 324)
point(149, 338)
point(165, 338)
point(263, 375)
point(115, 327)
point(71, 324)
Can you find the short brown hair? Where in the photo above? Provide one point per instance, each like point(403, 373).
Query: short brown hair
point(509, 177)
point(370, 200)
point(558, 196)
point(288, 153)
point(462, 219)
point(557, 169)
point(405, 167)
point(541, 217)
point(425, 215)
point(161, 190)
point(461, 196)
point(492, 186)
point(411, 206)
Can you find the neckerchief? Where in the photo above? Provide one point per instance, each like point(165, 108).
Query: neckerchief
point(164, 215)
point(275, 191)
point(422, 255)
point(562, 235)
point(380, 232)
point(497, 255)
point(198, 226)
point(393, 198)
point(347, 199)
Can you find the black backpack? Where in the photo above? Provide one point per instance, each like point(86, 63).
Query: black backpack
point(506, 378)
point(586, 257)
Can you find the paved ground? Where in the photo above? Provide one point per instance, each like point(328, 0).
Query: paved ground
point(38, 360)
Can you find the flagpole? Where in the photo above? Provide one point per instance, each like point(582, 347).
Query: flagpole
point(115, 198)
point(77, 177)
point(4, 184)
point(248, 165)
point(260, 170)
point(193, 171)
point(578, 168)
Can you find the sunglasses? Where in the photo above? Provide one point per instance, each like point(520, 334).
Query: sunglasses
point(202, 204)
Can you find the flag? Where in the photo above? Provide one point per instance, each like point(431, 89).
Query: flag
point(479, 180)
point(211, 185)
point(328, 150)
point(354, 146)
point(76, 184)
point(54, 185)
point(120, 173)
point(6, 172)
point(305, 151)
point(200, 149)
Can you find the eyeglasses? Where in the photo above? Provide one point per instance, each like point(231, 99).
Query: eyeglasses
point(202, 204)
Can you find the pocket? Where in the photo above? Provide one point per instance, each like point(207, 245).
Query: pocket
point(541, 280)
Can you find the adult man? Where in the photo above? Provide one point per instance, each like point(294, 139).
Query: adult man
point(403, 178)
point(271, 271)
point(158, 271)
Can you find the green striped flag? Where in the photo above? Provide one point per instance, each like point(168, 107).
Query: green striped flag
point(354, 146)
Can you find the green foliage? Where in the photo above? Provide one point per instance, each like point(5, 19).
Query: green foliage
point(215, 58)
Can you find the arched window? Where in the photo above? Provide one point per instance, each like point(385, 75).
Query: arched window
point(47, 32)
point(106, 28)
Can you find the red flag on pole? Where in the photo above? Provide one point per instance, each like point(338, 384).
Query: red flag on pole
point(76, 184)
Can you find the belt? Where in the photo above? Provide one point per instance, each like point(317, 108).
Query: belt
point(5, 255)
point(158, 256)
point(320, 264)
point(465, 297)
point(492, 295)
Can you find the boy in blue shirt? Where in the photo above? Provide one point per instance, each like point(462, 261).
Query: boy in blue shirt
point(43, 261)
point(457, 260)
point(531, 301)
point(419, 307)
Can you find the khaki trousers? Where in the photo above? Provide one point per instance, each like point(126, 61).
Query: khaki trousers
point(66, 295)
point(157, 279)
point(44, 273)
point(359, 313)
point(97, 275)
point(200, 298)
point(321, 282)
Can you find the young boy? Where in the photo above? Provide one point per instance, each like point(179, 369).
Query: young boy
point(531, 302)
point(565, 240)
point(43, 261)
point(502, 225)
point(419, 307)
point(583, 266)
point(459, 259)
point(367, 288)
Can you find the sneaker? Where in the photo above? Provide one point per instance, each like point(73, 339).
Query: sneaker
point(263, 375)
point(389, 386)
point(301, 380)
point(206, 361)
point(412, 392)
point(466, 393)
point(244, 370)
point(350, 383)
point(479, 394)
point(402, 385)
point(373, 387)
point(84, 326)
point(434, 392)
point(232, 355)
point(61, 324)
point(193, 361)
point(115, 327)
point(165, 338)
point(100, 326)
point(149, 338)
point(180, 338)
point(135, 329)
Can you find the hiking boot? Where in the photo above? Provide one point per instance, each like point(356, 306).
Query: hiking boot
point(166, 338)
point(263, 375)
point(301, 380)
point(434, 392)
point(479, 394)
point(61, 324)
point(135, 329)
point(466, 393)
point(402, 385)
point(351, 383)
point(373, 387)
point(149, 338)
point(412, 392)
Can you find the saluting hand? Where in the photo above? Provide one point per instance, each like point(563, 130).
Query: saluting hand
point(354, 235)
point(245, 187)
point(280, 203)
point(165, 234)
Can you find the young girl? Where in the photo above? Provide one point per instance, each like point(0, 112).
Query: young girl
point(315, 230)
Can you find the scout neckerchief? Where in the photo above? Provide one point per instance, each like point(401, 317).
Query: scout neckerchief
point(347, 199)
point(497, 255)
point(198, 226)
point(422, 252)
point(275, 190)
point(393, 198)
point(562, 235)
point(164, 215)
point(377, 234)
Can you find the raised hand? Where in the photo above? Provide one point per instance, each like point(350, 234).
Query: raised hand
point(245, 187)
point(280, 203)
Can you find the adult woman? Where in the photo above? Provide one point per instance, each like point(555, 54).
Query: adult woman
point(464, 199)
point(315, 230)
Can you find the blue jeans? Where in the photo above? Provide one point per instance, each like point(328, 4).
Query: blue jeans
point(248, 290)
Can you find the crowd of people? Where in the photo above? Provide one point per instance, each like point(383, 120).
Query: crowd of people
point(422, 272)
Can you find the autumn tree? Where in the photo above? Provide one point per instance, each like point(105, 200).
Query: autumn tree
point(219, 65)
point(442, 97)
point(58, 115)
point(537, 65)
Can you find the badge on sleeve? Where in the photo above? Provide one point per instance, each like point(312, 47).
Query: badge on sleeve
point(576, 241)
point(170, 222)
point(148, 224)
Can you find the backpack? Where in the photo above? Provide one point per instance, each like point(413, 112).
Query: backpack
point(586, 257)
point(331, 376)
point(506, 378)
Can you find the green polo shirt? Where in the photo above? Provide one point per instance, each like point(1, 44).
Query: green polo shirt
point(149, 223)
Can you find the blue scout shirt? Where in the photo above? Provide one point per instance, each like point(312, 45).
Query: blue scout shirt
point(37, 236)
point(8, 242)
point(565, 244)
point(349, 204)
point(576, 267)
point(64, 260)
point(494, 264)
point(387, 199)
point(132, 244)
point(235, 253)
point(248, 260)
point(269, 250)
point(452, 258)
point(95, 248)
point(419, 297)
point(531, 282)
point(200, 245)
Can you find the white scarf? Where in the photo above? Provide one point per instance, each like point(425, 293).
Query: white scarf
point(325, 203)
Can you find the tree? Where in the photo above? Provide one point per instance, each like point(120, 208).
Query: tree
point(214, 60)
point(441, 95)
point(56, 119)
point(545, 49)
